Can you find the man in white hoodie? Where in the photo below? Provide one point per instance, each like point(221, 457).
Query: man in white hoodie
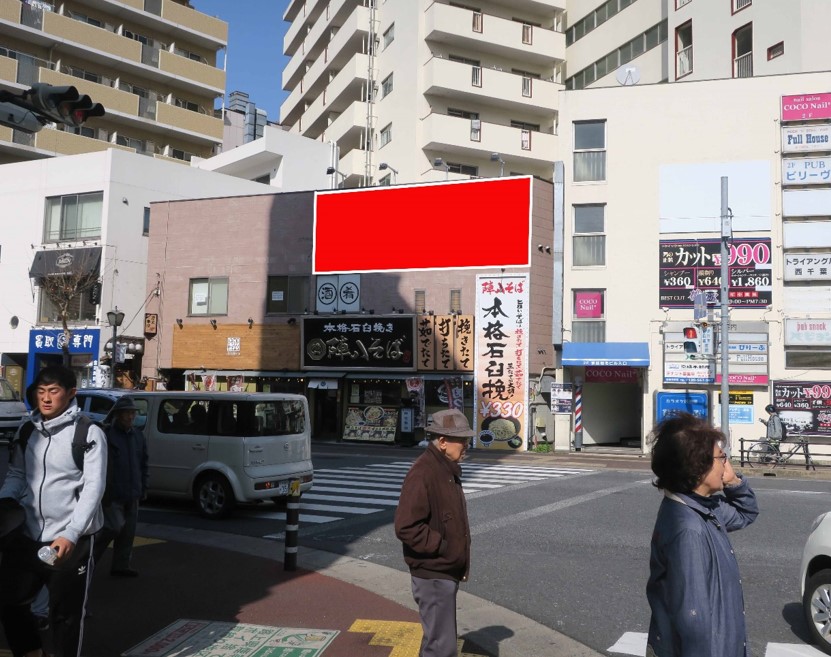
point(63, 510)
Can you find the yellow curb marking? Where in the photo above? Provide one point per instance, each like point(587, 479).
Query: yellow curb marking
point(140, 541)
point(403, 637)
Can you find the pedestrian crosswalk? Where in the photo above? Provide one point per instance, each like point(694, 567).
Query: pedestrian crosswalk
point(341, 493)
point(634, 643)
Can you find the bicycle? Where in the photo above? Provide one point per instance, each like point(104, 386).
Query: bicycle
point(766, 453)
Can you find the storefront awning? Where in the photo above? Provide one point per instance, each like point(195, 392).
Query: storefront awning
point(432, 376)
point(324, 384)
point(606, 354)
point(78, 262)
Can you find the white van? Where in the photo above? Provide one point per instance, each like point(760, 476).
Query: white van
point(12, 410)
point(220, 448)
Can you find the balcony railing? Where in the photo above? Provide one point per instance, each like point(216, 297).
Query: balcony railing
point(684, 62)
point(743, 66)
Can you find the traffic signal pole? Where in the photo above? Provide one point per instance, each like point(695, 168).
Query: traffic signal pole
point(726, 236)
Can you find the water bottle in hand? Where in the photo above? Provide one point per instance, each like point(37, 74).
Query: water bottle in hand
point(48, 555)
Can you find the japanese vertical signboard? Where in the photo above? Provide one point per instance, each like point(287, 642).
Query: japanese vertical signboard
point(444, 342)
point(689, 265)
point(804, 406)
point(747, 356)
point(501, 370)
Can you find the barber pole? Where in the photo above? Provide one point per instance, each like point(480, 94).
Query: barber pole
point(578, 418)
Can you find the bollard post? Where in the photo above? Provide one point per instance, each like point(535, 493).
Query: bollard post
point(292, 526)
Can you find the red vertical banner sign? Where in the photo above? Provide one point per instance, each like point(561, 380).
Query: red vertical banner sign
point(501, 361)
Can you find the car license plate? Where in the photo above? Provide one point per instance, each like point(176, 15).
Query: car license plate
point(282, 488)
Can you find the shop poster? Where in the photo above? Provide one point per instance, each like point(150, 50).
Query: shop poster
point(501, 361)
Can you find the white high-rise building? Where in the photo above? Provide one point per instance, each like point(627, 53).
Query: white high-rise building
point(445, 89)
point(432, 90)
point(631, 41)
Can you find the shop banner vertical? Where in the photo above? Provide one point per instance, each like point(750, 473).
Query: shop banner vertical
point(501, 373)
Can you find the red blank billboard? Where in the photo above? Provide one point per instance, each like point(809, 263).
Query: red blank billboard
point(454, 225)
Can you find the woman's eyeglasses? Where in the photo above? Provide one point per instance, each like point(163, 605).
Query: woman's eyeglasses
point(721, 457)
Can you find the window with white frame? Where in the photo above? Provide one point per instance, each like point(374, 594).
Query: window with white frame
point(389, 35)
point(738, 5)
point(588, 316)
point(589, 239)
point(386, 134)
point(288, 294)
point(589, 151)
point(73, 217)
point(386, 86)
point(386, 181)
point(208, 296)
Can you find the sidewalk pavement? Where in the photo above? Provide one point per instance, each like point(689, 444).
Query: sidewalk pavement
point(208, 576)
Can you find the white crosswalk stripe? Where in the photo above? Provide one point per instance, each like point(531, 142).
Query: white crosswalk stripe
point(359, 490)
point(634, 643)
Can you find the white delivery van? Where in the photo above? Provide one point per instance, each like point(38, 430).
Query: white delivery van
point(12, 410)
point(220, 448)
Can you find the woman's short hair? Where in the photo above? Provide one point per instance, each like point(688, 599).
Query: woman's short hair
point(682, 452)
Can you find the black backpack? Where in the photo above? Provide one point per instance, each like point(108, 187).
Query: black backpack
point(80, 444)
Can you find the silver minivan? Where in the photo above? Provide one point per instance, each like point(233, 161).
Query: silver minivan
point(220, 448)
point(12, 410)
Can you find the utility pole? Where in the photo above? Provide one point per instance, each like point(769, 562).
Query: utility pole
point(726, 236)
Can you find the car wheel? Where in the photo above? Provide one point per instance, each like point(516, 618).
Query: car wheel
point(214, 496)
point(817, 606)
point(761, 455)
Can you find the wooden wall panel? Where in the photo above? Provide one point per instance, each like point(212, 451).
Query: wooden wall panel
point(261, 347)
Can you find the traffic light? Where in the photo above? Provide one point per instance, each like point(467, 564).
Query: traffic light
point(693, 345)
point(63, 104)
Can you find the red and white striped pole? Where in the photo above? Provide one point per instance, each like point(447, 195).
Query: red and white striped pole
point(578, 417)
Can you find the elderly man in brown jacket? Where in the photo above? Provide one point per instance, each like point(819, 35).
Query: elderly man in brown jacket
point(431, 522)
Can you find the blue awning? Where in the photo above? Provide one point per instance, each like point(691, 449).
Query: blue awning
point(606, 354)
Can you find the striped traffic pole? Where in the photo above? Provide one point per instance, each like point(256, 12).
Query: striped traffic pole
point(578, 418)
point(292, 526)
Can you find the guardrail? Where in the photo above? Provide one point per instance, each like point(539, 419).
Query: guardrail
point(789, 453)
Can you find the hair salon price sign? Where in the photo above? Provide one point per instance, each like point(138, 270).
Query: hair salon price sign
point(561, 397)
point(689, 265)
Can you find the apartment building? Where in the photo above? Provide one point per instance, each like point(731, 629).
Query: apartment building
point(643, 235)
point(417, 90)
point(151, 63)
point(626, 42)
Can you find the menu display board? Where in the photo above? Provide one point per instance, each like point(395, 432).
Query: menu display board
point(373, 423)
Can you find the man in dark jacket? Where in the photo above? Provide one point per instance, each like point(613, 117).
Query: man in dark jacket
point(431, 522)
point(126, 486)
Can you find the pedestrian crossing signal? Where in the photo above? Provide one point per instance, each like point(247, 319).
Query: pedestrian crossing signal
point(692, 342)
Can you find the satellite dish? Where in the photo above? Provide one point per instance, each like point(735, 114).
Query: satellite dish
point(628, 75)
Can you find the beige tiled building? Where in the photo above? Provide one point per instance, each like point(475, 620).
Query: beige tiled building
point(151, 63)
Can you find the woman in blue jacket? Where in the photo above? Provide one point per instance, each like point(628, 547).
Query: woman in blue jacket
point(694, 589)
